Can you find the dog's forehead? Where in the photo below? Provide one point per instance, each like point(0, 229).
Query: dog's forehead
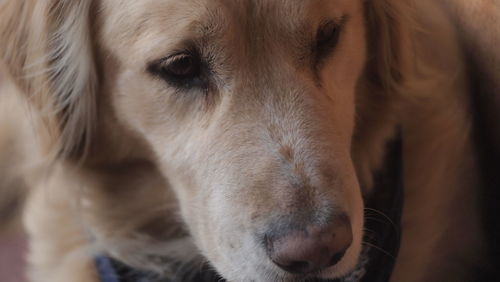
point(151, 27)
point(284, 10)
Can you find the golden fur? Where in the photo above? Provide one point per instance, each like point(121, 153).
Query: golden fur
point(127, 158)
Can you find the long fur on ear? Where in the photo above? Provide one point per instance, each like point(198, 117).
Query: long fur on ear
point(389, 25)
point(47, 48)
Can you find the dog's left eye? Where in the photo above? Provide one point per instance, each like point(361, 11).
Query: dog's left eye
point(182, 70)
point(327, 38)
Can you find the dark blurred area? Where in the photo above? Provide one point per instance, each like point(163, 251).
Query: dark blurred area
point(486, 103)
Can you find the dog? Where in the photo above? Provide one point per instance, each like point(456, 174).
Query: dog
point(244, 134)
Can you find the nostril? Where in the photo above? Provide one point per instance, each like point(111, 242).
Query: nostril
point(299, 267)
point(336, 258)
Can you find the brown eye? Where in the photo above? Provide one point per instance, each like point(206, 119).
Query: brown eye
point(183, 70)
point(182, 66)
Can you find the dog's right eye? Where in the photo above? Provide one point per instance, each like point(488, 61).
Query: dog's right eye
point(183, 70)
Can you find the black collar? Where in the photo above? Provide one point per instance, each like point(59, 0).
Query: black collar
point(382, 241)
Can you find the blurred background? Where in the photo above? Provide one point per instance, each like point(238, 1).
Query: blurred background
point(12, 259)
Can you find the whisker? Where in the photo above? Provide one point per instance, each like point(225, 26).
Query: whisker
point(370, 235)
point(378, 220)
point(382, 214)
point(379, 249)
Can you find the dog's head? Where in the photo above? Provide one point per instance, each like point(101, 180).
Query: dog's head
point(248, 108)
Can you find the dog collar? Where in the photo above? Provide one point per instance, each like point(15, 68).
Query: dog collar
point(381, 243)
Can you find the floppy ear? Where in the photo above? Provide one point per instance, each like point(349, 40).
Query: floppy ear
point(47, 48)
point(389, 25)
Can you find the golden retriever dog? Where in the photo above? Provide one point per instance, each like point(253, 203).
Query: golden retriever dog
point(243, 134)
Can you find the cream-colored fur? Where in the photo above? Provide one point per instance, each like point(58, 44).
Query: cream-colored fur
point(133, 164)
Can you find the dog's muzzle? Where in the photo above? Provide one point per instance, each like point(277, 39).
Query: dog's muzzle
point(315, 247)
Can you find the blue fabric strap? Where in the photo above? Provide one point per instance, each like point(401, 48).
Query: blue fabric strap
point(105, 269)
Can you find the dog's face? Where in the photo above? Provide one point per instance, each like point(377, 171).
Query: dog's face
point(249, 108)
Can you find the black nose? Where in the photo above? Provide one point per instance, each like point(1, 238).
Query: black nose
point(311, 249)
